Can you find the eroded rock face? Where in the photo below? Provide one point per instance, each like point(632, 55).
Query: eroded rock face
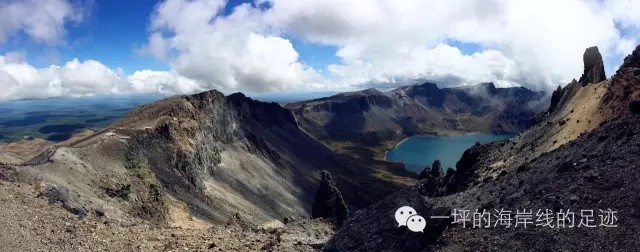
point(593, 67)
point(371, 117)
point(251, 150)
point(434, 180)
point(624, 86)
point(632, 60)
point(555, 98)
point(596, 171)
point(328, 203)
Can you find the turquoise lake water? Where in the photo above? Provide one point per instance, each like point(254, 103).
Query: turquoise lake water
point(419, 151)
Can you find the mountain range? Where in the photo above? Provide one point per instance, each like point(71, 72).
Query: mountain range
point(372, 116)
point(218, 163)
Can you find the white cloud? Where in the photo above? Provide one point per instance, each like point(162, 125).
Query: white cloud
point(42, 21)
point(538, 44)
point(149, 81)
point(19, 80)
point(235, 52)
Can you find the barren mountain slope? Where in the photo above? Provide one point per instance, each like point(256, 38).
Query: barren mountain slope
point(372, 116)
point(30, 223)
point(204, 156)
point(580, 108)
point(592, 168)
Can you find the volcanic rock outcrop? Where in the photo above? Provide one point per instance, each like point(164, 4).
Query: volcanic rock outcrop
point(328, 202)
point(593, 67)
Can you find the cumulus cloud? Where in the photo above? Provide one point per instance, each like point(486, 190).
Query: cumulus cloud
point(20, 80)
point(533, 43)
point(538, 44)
point(383, 43)
point(235, 52)
point(41, 20)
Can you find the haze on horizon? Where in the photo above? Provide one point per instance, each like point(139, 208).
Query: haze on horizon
point(62, 48)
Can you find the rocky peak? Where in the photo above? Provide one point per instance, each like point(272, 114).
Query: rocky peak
point(328, 203)
point(434, 171)
point(593, 67)
point(489, 86)
point(427, 85)
point(632, 60)
point(433, 180)
point(261, 112)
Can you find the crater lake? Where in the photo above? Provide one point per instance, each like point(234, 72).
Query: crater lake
point(419, 151)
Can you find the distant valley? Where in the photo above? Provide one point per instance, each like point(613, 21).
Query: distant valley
point(57, 120)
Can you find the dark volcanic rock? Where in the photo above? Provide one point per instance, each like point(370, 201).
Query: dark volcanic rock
point(634, 107)
point(595, 172)
point(434, 95)
point(624, 86)
point(195, 134)
point(328, 203)
point(464, 168)
point(371, 117)
point(555, 98)
point(632, 60)
point(593, 67)
point(433, 171)
point(434, 179)
point(605, 179)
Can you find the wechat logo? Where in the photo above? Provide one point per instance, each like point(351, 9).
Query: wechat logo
point(407, 216)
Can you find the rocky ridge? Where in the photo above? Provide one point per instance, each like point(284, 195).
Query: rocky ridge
point(197, 160)
point(372, 116)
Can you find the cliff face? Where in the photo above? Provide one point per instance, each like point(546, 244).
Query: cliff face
point(582, 155)
point(206, 156)
point(372, 116)
point(223, 155)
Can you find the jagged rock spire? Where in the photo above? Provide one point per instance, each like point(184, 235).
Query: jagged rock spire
point(555, 98)
point(329, 203)
point(593, 67)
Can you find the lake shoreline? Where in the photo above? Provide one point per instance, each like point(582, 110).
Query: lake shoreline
point(427, 135)
point(425, 148)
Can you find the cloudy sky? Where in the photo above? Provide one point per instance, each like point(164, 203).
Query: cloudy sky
point(58, 48)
